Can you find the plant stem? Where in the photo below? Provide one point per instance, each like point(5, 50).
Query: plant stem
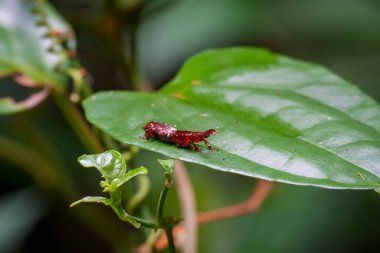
point(144, 223)
point(75, 119)
point(252, 204)
point(169, 223)
point(188, 207)
point(160, 206)
point(123, 215)
point(169, 235)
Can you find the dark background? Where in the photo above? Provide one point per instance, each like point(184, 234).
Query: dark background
point(343, 35)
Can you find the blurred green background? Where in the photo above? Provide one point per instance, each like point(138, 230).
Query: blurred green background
point(343, 35)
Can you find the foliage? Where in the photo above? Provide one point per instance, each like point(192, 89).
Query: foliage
point(277, 118)
point(113, 169)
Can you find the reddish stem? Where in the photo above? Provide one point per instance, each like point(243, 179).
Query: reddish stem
point(252, 204)
point(188, 207)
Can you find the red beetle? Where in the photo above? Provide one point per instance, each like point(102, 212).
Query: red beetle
point(166, 133)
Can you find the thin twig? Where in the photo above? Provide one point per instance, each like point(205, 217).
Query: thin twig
point(169, 235)
point(188, 206)
point(252, 204)
point(160, 206)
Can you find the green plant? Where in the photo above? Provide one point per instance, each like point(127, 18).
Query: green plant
point(278, 119)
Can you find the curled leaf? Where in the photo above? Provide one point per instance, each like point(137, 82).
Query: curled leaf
point(168, 165)
point(10, 106)
point(90, 199)
point(110, 164)
point(113, 168)
point(130, 174)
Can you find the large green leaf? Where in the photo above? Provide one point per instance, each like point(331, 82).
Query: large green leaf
point(25, 46)
point(277, 119)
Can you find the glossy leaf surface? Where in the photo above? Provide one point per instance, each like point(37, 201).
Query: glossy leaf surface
point(277, 118)
point(113, 168)
point(110, 164)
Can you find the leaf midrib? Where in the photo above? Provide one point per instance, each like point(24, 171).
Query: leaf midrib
point(271, 129)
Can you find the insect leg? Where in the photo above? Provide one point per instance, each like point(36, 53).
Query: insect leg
point(209, 145)
point(198, 149)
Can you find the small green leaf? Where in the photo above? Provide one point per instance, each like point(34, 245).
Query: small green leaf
point(168, 165)
point(110, 164)
point(107, 186)
point(277, 119)
point(130, 174)
point(89, 199)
